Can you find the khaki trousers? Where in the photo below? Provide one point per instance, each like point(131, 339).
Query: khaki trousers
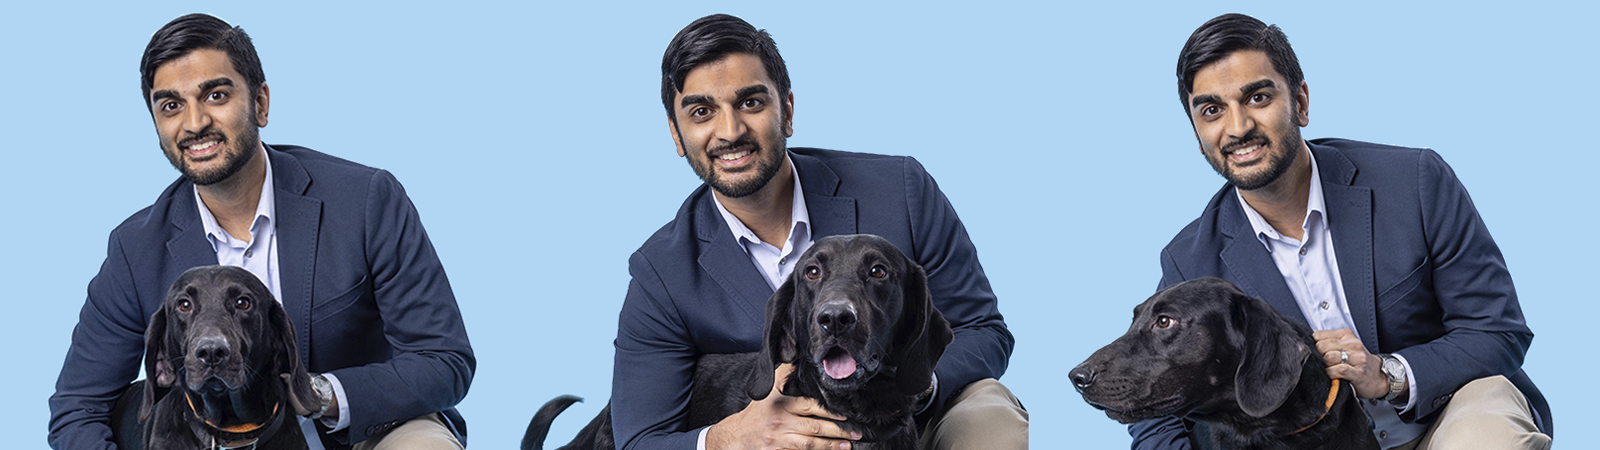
point(427, 432)
point(1488, 413)
point(984, 415)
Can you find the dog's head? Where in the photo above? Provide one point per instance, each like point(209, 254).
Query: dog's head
point(1198, 347)
point(221, 339)
point(855, 308)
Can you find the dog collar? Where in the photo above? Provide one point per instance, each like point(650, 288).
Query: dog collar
point(1333, 394)
point(238, 429)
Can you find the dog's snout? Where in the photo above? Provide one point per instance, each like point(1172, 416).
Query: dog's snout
point(212, 350)
point(1082, 377)
point(836, 317)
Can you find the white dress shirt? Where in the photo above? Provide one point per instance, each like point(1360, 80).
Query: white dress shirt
point(1312, 273)
point(259, 255)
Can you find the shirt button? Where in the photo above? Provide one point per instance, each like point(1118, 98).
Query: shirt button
point(1302, 251)
point(1324, 305)
point(783, 260)
point(247, 253)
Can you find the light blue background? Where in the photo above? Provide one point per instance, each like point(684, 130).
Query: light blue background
point(533, 141)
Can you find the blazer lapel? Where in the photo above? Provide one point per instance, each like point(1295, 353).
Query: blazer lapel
point(831, 215)
point(725, 261)
point(1248, 264)
point(298, 218)
point(189, 246)
point(1350, 223)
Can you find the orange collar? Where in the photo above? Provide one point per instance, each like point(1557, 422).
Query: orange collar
point(1333, 393)
point(239, 429)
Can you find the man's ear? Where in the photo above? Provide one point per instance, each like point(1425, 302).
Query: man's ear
point(777, 346)
point(788, 115)
point(263, 103)
point(1302, 103)
point(677, 136)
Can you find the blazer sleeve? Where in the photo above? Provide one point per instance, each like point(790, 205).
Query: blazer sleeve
point(1485, 332)
point(653, 369)
point(1166, 433)
point(433, 363)
point(982, 344)
point(102, 359)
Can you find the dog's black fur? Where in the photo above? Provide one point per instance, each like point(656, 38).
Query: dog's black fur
point(223, 366)
point(892, 333)
point(1245, 375)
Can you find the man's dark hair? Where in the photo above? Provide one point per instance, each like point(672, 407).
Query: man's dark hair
point(192, 32)
point(1228, 33)
point(709, 39)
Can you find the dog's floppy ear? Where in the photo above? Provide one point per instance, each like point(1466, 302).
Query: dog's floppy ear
point(157, 367)
point(1271, 356)
point(777, 344)
point(922, 336)
point(297, 383)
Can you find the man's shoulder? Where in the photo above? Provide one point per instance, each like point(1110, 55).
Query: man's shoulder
point(1369, 155)
point(677, 241)
point(854, 162)
point(322, 165)
point(1201, 233)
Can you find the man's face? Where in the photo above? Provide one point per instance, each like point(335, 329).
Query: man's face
point(731, 124)
point(1247, 118)
point(206, 119)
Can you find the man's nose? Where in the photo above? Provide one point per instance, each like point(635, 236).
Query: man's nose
point(730, 126)
point(196, 118)
point(1239, 123)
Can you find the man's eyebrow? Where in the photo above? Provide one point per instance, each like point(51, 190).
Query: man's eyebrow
point(1252, 87)
point(163, 94)
point(214, 82)
point(695, 100)
point(749, 90)
point(1203, 99)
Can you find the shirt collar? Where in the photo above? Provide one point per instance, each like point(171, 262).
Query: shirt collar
point(800, 218)
point(264, 210)
point(1315, 209)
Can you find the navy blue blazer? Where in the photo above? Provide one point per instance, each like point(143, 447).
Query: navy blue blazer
point(694, 290)
point(360, 280)
point(1420, 272)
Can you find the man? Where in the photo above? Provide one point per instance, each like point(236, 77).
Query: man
point(701, 283)
point(1377, 247)
point(339, 244)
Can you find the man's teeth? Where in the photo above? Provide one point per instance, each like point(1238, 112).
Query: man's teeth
point(202, 146)
point(733, 156)
point(1246, 150)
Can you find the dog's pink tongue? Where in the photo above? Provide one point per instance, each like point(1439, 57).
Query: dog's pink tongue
point(839, 364)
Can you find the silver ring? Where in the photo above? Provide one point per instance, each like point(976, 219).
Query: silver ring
point(1344, 357)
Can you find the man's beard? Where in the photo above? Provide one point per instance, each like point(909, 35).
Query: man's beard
point(235, 155)
point(1277, 164)
point(766, 168)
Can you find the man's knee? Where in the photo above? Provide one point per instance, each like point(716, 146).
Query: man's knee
point(1487, 411)
point(984, 414)
point(427, 432)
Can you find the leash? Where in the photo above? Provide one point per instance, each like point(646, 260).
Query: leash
point(238, 429)
point(1333, 393)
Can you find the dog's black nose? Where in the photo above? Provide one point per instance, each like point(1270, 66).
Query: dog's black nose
point(836, 317)
point(1082, 377)
point(212, 351)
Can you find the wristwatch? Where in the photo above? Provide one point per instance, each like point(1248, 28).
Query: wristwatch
point(1396, 372)
point(324, 389)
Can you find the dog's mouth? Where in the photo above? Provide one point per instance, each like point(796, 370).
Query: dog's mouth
point(838, 363)
point(1164, 407)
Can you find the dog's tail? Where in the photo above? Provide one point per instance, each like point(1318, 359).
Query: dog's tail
point(539, 427)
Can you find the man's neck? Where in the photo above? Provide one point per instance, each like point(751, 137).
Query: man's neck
point(1283, 202)
point(767, 212)
point(233, 201)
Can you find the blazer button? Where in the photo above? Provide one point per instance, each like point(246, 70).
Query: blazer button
point(1383, 435)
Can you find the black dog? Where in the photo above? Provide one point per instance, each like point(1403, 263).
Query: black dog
point(224, 351)
point(858, 324)
point(1245, 375)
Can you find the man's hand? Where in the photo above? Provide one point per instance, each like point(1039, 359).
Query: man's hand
point(781, 422)
point(1363, 370)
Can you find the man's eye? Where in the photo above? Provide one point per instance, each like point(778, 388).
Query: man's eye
point(1258, 98)
point(169, 106)
point(699, 112)
point(1210, 111)
point(751, 103)
point(216, 96)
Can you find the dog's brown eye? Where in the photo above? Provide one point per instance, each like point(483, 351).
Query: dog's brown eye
point(243, 303)
point(1165, 322)
point(878, 272)
point(813, 272)
point(184, 306)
